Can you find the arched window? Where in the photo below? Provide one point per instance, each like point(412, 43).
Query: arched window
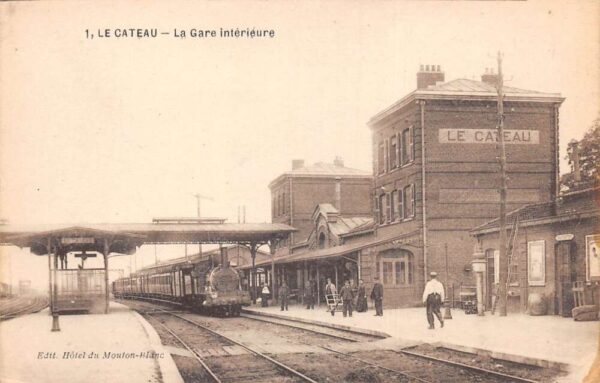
point(322, 240)
point(396, 267)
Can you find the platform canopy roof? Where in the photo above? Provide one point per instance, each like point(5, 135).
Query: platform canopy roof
point(126, 237)
point(399, 239)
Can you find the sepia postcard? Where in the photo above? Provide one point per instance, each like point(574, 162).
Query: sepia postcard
point(316, 191)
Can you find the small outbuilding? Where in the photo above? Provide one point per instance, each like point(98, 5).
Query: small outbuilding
point(556, 254)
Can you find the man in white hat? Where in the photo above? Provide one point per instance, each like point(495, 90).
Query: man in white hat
point(433, 296)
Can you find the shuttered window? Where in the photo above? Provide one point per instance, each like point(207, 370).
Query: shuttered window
point(380, 158)
point(409, 201)
point(400, 204)
point(393, 152)
point(393, 205)
point(382, 209)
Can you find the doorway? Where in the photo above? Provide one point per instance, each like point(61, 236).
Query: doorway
point(492, 276)
point(566, 274)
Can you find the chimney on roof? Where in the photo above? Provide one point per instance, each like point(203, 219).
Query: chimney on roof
point(338, 161)
point(297, 164)
point(489, 77)
point(574, 159)
point(429, 75)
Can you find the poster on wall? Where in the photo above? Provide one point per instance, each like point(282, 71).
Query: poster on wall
point(592, 257)
point(536, 263)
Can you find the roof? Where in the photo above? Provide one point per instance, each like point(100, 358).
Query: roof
point(28, 236)
point(322, 169)
point(463, 85)
point(244, 257)
point(338, 224)
point(548, 212)
point(346, 249)
point(465, 89)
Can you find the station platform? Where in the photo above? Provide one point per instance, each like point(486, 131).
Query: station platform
point(118, 347)
point(546, 340)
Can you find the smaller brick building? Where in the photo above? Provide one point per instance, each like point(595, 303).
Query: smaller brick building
point(295, 193)
point(557, 244)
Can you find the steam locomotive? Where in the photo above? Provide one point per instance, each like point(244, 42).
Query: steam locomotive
point(197, 284)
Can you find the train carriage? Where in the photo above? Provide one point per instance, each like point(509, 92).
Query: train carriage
point(194, 284)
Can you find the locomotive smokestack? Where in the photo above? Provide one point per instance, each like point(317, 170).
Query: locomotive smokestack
point(224, 257)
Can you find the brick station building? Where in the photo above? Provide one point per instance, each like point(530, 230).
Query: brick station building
point(437, 174)
point(435, 177)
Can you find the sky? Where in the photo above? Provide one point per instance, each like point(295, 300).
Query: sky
point(126, 129)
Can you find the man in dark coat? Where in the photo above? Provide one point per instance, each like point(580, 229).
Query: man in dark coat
point(377, 296)
point(361, 300)
point(347, 296)
point(284, 292)
point(309, 298)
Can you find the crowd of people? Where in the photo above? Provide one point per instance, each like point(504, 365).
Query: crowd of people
point(352, 297)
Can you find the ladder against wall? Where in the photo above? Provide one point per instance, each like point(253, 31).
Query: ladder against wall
point(512, 276)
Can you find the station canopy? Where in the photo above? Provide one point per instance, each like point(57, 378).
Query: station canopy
point(126, 237)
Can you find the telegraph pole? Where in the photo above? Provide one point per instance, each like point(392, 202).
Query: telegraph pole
point(200, 197)
point(503, 261)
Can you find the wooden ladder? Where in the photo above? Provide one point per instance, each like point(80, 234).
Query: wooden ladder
point(512, 240)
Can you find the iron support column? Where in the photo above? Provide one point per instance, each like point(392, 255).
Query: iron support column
point(106, 291)
point(253, 272)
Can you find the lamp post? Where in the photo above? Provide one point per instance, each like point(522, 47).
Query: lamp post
point(447, 313)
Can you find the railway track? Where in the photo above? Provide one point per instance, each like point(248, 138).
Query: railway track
point(346, 335)
point(22, 306)
point(264, 368)
point(405, 366)
point(483, 371)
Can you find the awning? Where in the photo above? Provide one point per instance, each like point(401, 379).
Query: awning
point(346, 249)
point(132, 235)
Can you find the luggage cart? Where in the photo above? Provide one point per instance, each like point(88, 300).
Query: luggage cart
point(334, 303)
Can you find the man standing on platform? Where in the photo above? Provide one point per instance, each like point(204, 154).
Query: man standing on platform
point(347, 296)
point(309, 295)
point(284, 292)
point(433, 296)
point(377, 296)
point(361, 300)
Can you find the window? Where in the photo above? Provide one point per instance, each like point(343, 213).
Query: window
point(393, 152)
point(393, 203)
point(400, 204)
point(407, 146)
point(322, 240)
point(409, 201)
point(278, 205)
point(386, 156)
point(400, 274)
point(396, 266)
point(388, 276)
point(536, 263)
point(388, 204)
point(376, 208)
point(380, 158)
point(382, 209)
point(283, 203)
